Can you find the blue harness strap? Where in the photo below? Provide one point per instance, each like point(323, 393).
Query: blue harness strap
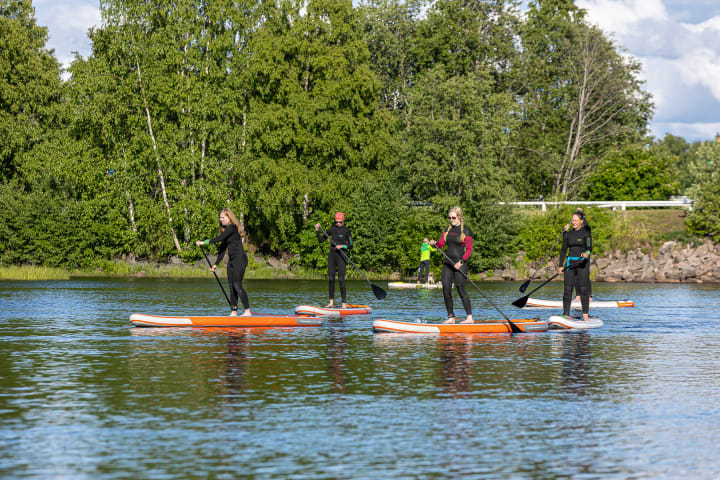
point(567, 264)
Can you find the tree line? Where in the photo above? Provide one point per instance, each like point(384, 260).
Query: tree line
point(287, 111)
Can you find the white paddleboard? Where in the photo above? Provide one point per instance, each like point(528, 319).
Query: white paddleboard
point(559, 322)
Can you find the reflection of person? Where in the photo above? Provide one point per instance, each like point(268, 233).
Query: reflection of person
point(459, 247)
point(424, 270)
point(230, 240)
point(341, 242)
point(577, 244)
point(431, 279)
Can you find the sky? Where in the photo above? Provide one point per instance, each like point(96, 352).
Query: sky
point(677, 42)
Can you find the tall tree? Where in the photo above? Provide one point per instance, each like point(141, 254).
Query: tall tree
point(29, 84)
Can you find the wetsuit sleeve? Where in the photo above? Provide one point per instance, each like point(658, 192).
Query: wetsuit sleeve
point(349, 241)
point(441, 243)
point(323, 236)
point(223, 244)
point(468, 247)
point(563, 250)
point(588, 244)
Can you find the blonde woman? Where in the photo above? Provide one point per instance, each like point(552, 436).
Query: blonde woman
point(230, 240)
point(459, 243)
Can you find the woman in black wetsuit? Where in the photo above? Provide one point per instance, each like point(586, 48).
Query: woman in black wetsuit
point(230, 240)
point(459, 248)
point(577, 245)
point(340, 243)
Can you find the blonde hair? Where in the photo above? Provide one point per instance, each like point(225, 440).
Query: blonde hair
point(233, 220)
point(459, 215)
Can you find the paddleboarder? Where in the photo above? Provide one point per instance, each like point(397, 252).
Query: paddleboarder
point(341, 242)
point(230, 240)
point(575, 252)
point(454, 270)
point(424, 269)
point(586, 226)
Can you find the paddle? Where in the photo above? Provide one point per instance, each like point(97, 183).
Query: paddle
point(513, 328)
point(216, 277)
point(520, 302)
point(379, 292)
point(524, 286)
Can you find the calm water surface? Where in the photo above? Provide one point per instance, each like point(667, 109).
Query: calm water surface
point(85, 395)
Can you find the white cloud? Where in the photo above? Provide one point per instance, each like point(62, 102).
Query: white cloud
point(68, 24)
point(681, 61)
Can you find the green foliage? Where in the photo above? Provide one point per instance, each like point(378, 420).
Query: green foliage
point(636, 173)
point(704, 220)
point(287, 112)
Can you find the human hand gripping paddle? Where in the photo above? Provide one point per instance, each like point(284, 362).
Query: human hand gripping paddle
point(216, 277)
point(379, 292)
point(513, 328)
point(521, 302)
point(524, 286)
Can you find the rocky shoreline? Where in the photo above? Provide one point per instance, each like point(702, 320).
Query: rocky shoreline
point(671, 263)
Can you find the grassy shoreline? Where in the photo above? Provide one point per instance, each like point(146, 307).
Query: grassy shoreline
point(647, 229)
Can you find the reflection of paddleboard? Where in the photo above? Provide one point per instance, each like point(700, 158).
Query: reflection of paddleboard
point(559, 322)
point(328, 312)
point(261, 320)
point(537, 303)
point(413, 285)
point(495, 326)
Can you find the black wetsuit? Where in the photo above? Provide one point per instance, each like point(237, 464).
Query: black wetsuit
point(231, 241)
point(575, 243)
point(337, 260)
point(456, 251)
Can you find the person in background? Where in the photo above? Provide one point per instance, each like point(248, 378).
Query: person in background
point(575, 252)
point(424, 269)
point(459, 248)
point(340, 243)
point(230, 240)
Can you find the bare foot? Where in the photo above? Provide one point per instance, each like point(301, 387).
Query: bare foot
point(469, 319)
point(330, 305)
point(450, 320)
point(246, 313)
point(233, 313)
point(344, 305)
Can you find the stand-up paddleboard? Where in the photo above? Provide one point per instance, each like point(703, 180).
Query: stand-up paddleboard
point(537, 303)
point(559, 322)
point(332, 312)
point(259, 320)
point(495, 326)
point(413, 285)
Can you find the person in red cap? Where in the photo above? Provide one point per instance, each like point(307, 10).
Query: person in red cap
point(340, 243)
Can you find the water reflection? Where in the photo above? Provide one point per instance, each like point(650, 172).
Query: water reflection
point(576, 359)
point(455, 375)
point(336, 359)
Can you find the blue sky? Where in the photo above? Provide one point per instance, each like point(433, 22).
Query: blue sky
point(677, 42)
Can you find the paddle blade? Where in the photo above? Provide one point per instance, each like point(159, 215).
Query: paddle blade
point(524, 286)
point(514, 328)
point(379, 292)
point(521, 302)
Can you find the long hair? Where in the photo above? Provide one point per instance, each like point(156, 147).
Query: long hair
point(459, 215)
point(233, 220)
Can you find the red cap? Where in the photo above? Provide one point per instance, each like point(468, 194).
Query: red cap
point(340, 216)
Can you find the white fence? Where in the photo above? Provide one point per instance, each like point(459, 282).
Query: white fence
point(621, 204)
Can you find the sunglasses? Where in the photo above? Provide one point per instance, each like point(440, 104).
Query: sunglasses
point(339, 221)
point(452, 218)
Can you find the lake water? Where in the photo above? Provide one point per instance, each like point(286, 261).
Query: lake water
point(85, 395)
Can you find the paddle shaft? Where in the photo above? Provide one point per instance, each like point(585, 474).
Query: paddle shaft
point(525, 285)
point(513, 327)
point(520, 302)
point(379, 292)
point(216, 277)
